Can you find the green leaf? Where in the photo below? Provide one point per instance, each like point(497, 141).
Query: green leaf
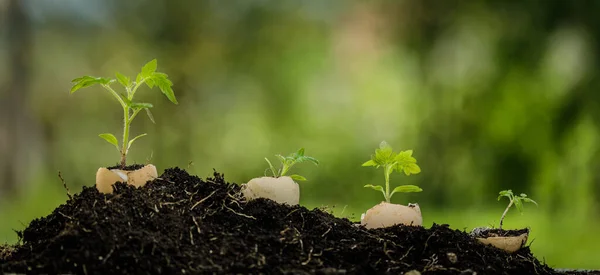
point(138, 105)
point(131, 141)
point(149, 69)
point(125, 81)
point(300, 152)
point(384, 154)
point(110, 138)
point(298, 177)
point(311, 159)
point(86, 81)
point(138, 78)
point(505, 193)
point(376, 187)
point(407, 163)
point(370, 163)
point(407, 189)
point(529, 200)
point(164, 84)
point(518, 204)
point(150, 116)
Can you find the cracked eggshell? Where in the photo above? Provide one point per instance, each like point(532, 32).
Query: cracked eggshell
point(389, 214)
point(105, 179)
point(281, 189)
point(509, 244)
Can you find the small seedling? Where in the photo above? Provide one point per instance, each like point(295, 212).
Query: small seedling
point(288, 162)
point(390, 161)
point(148, 75)
point(516, 200)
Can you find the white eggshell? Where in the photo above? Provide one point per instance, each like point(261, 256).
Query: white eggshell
point(281, 189)
point(389, 214)
point(508, 244)
point(106, 178)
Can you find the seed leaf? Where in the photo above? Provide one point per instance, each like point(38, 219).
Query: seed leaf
point(298, 177)
point(110, 138)
point(407, 189)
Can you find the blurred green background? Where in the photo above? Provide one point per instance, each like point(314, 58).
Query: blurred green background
point(490, 95)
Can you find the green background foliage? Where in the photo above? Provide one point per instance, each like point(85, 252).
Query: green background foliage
point(489, 95)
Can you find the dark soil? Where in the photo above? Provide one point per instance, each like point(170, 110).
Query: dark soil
point(489, 232)
point(180, 224)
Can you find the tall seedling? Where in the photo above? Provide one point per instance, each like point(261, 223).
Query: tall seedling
point(151, 78)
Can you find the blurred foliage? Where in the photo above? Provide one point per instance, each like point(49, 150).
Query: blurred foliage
point(490, 95)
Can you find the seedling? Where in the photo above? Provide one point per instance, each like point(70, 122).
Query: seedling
point(516, 200)
point(390, 161)
point(288, 162)
point(151, 78)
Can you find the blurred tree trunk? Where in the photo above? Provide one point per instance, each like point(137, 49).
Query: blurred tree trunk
point(15, 127)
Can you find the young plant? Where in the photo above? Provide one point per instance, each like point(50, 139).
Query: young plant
point(151, 78)
point(390, 161)
point(288, 162)
point(516, 200)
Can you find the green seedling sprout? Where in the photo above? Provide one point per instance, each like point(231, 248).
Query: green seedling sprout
point(288, 162)
point(516, 200)
point(151, 78)
point(402, 162)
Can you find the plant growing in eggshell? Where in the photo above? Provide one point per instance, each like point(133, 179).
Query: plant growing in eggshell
point(388, 214)
point(280, 187)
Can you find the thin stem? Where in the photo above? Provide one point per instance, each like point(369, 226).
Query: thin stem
point(116, 95)
point(125, 136)
point(285, 168)
point(134, 114)
point(137, 85)
point(504, 214)
point(387, 184)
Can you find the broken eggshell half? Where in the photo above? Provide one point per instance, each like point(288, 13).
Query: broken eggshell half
point(502, 239)
point(105, 178)
point(282, 189)
point(388, 214)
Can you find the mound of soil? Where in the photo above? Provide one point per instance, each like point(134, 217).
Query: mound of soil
point(181, 224)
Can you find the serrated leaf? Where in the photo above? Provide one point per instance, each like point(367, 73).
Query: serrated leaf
point(370, 163)
point(529, 200)
point(150, 116)
point(519, 205)
point(86, 81)
point(110, 138)
point(407, 189)
point(134, 139)
point(384, 154)
point(149, 69)
point(164, 84)
point(311, 159)
point(298, 177)
point(125, 81)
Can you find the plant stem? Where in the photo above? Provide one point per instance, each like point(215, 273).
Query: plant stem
point(504, 214)
point(387, 183)
point(125, 136)
point(284, 170)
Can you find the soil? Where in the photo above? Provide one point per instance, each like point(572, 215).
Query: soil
point(489, 232)
point(180, 224)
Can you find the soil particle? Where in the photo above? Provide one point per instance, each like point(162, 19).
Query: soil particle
point(180, 224)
